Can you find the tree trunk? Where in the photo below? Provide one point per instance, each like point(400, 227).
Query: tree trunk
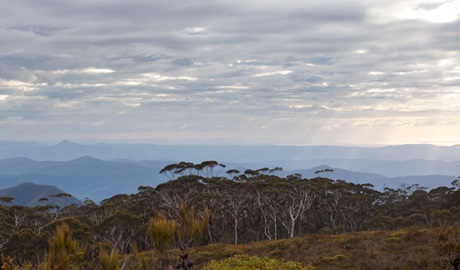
point(291, 234)
point(236, 231)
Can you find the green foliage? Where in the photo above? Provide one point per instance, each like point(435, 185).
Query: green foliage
point(205, 254)
point(109, 261)
point(24, 245)
point(244, 262)
point(161, 232)
point(338, 257)
point(6, 199)
point(190, 226)
point(449, 248)
point(392, 239)
point(390, 229)
point(137, 260)
point(8, 264)
point(63, 252)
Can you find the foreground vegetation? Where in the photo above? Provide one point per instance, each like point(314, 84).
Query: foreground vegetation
point(333, 224)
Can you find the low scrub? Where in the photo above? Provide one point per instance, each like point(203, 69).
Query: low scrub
point(244, 262)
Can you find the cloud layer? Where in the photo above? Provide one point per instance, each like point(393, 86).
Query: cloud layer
point(283, 72)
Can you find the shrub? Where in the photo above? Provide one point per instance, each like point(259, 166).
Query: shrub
point(338, 257)
point(244, 262)
point(392, 239)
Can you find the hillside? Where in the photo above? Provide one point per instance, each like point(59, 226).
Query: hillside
point(338, 225)
point(88, 177)
point(83, 177)
point(377, 180)
point(255, 154)
point(29, 194)
point(403, 249)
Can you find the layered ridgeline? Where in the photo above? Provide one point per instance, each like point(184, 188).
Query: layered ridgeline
point(29, 194)
point(289, 157)
point(99, 171)
point(97, 179)
point(85, 177)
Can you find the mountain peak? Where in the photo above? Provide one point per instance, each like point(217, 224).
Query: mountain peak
point(65, 142)
point(322, 167)
point(85, 159)
point(30, 194)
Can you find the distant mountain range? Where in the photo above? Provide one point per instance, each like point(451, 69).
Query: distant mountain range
point(99, 171)
point(29, 194)
point(262, 154)
point(377, 180)
point(85, 177)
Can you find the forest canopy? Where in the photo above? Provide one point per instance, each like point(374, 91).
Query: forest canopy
point(242, 208)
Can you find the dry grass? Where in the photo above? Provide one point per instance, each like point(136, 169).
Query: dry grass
point(403, 249)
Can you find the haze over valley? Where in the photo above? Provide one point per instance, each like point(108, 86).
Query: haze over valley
point(99, 171)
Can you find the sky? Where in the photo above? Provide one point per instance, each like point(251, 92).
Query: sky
point(291, 72)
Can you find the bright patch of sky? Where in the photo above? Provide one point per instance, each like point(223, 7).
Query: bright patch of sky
point(298, 72)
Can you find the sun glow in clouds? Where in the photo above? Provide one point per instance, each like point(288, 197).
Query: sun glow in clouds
point(272, 73)
point(19, 85)
point(195, 30)
point(89, 70)
point(436, 11)
point(233, 87)
point(375, 73)
point(158, 77)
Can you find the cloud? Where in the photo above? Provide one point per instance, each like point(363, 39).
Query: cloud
point(158, 77)
point(271, 73)
point(89, 70)
point(228, 67)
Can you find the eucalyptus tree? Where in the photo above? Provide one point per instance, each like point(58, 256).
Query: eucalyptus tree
point(208, 167)
point(6, 200)
point(235, 200)
point(356, 205)
point(441, 196)
point(120, 229)
point(251, 173)
point(232, 173)
point(270, 200)
point(297, 200)
point(276, 171)
point(24, 246)
point(172, 170)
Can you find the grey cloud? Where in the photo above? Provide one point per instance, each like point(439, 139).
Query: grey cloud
point(306, 78)
point(25, 60)
point(430, 6)
point(219, 61)
point(148, 58)
point(36, 29)
point(184, 62)
point(445, 37)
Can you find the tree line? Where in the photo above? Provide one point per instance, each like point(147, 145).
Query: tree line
point(244, 207)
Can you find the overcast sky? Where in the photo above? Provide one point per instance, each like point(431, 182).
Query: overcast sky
point(297, 72)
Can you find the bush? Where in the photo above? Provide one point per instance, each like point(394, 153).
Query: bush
point(392, 239)
point(338, 257)
point(244, 262)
